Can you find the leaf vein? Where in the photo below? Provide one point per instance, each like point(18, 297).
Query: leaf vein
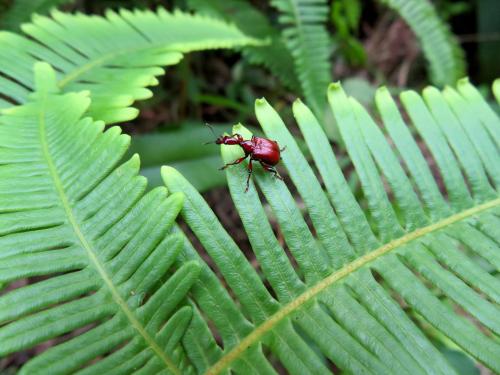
point(122, 304)
point(345, 271)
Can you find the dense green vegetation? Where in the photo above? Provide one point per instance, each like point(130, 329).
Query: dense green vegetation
point(377, 253)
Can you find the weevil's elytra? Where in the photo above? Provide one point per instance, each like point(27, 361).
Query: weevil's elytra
point(263, 150)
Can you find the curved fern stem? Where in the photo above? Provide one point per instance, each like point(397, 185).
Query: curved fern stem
point(337, 276)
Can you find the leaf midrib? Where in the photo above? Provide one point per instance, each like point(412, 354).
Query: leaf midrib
point(300, 26)
point(122, 304)
point(345, 271)
point(173, 48)
point(92, 63)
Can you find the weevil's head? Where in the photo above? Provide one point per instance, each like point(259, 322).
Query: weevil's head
point(234, 139)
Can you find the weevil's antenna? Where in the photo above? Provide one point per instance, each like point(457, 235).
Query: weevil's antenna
point(212, 130)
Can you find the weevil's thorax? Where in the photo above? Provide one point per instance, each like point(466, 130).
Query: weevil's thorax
point(247, 146)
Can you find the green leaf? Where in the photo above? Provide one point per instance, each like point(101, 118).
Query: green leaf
point(275, 56)
point(72, 216)
point(307, 39)
point(114, 57)
point(444, 55)
point(346, 16)
point(496, 89)
point(337, 284)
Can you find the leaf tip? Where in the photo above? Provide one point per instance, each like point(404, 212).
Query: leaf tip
point(185, 313)
point(167, 171)
point(176, 240)
point(334, 86)
point(383, 90)
point(242, 130)
point(45, 78)
point(463, 82)
point(238, 127)
point(135, 161)
point(409, 95)
point(430, 91)
point(177, 198)
point(496, 85)
point(382, 95)
point(260, 102)
point(297, 103)
point(193, 268)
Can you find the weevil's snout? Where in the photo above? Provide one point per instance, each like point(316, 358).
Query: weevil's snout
point(218, 141)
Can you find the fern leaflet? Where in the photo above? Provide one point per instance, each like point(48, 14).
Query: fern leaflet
point(344, 291)
point(114, 57)
point(99, 243)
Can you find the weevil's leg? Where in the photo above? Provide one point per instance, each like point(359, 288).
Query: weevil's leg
point(250, 169)
point(281, 150)
point(271, 169)
point(237, 161)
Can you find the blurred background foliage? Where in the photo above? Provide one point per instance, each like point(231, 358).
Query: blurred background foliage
point(364, 43)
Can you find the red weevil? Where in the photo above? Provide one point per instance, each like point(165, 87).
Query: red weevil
point(263, 150)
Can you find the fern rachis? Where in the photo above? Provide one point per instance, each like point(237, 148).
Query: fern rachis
point(363, 329)
point(99, 241)
point(115, 57)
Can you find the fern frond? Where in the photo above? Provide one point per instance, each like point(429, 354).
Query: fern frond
point(71, 215)
point(307, 39)
point(114, 57)
point(354, 271)
point(275, 56)
point(440, 47)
